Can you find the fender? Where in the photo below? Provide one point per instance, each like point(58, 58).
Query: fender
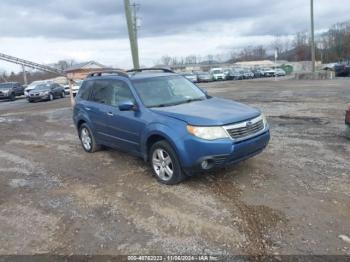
point(82, 115)
point(173, 135)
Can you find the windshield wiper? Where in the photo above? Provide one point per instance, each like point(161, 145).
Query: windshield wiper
point(194, 100)
point(190, 100)
point(179, 103)
point(164, 105)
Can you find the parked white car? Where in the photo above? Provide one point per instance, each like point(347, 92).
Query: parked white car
point(280, 72)
point(76, 87)
point(268, 72)
point(217, 74)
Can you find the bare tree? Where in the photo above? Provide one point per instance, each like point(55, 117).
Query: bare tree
point(165, 60)
point(277, 44)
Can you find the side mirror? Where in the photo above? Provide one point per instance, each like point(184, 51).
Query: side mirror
point(127, 106)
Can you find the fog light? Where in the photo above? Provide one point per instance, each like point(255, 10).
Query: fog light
point(205, 164)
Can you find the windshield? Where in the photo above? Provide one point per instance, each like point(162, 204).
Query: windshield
point(217, 71)
point(35, 83)
point(42, 87)
point(6, 86)
point(167, 91)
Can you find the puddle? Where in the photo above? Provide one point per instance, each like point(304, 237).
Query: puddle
point(17, 183)
point(10, 119)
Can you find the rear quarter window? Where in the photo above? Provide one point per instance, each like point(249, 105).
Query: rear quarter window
point(85, 90)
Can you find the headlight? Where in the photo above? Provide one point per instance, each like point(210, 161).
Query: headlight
point(208, 133)
point(264, 120)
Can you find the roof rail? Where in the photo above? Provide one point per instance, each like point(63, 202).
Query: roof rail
point(108, 72)
point(165, 70)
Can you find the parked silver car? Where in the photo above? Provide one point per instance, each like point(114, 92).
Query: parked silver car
point(190, 76)
point(204, 77)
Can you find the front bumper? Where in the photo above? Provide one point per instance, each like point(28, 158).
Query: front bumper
point(4, 96)
point(37, 97)
point(222, 152)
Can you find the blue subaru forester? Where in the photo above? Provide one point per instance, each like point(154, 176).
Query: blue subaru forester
point(168, 121)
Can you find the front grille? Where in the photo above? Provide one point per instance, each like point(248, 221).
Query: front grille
point(246, 129)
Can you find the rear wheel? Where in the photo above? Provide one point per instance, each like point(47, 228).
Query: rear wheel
point(87, 139)
point(165, 164)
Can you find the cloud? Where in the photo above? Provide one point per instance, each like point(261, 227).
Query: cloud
point(104, 19)
point(47, 31)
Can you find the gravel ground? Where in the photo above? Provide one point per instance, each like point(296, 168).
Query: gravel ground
point(291, 199)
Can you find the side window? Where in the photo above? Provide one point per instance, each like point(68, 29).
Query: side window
point(121, 93)
point(102, 92)
point(85, 90)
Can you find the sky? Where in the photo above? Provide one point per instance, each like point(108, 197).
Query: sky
point(46, 31)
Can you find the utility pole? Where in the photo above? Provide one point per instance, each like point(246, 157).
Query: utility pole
point(132, 29)
point(313, 58)
point(24, 75)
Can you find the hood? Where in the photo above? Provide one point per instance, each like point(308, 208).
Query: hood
point(32, 91)
point(209, 112)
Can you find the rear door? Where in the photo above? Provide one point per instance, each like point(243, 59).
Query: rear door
point(99, 110)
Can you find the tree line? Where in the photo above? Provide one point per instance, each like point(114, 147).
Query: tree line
point(332, 45)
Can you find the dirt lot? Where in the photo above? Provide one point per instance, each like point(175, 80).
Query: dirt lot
point(294, 198)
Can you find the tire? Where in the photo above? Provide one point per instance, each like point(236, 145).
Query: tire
point(51, 97)
point(165, 164)
point(347, 132)
point(87, 139)
point(13, 97)
point(63, 94)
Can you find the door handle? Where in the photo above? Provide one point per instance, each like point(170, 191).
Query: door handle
point(88, 108)
point(110, 113)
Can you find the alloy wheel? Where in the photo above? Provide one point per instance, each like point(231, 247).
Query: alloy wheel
point(162, 164)
point(86, 139)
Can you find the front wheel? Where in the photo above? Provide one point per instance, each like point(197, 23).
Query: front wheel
point(165, 164)
point(63, 94)
point(13, 97)
point(51, 97)
point(87, 139)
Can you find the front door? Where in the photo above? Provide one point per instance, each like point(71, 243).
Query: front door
point(126, 126)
